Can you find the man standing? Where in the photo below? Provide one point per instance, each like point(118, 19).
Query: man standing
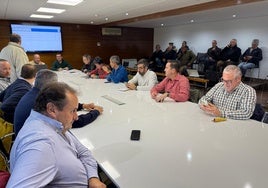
point(230, 98)
point(5, 70)
point(60, 64)
point(144, 79)
point(45, 152)
point(175, 85)
point(15, 55)
point(119, 73)
point(14, 92)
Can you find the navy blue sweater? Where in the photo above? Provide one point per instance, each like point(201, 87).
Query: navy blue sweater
point(11, 96)
point(27, 102)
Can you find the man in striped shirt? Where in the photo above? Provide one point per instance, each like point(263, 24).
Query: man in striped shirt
point(230, 98)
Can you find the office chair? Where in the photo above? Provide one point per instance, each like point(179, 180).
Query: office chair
point(6, 139)
point(4, 151)
point(265, 118)
point(195, 95)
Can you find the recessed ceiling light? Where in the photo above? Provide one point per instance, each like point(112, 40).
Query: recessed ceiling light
point(234, 15)
point(162, 24)
point(41, 16)
point(50, 10)
point(106, 19)
point(96, 15)
point(92, 22)
point(192, 21)
point(126, 14)
point(65, 2)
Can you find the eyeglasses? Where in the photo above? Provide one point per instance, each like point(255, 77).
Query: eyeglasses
point(226, 81)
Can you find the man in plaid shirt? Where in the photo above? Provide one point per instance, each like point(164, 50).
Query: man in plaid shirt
point(230, 98)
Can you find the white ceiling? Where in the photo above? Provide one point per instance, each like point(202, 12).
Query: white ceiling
point(258, 9)
point(115, 10)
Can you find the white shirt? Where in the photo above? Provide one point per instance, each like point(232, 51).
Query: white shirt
point(145, 82)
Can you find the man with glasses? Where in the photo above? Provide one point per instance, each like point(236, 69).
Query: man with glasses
point(230, 98)
point(144, 80)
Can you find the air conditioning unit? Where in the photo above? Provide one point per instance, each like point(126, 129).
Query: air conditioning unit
point(111, 31)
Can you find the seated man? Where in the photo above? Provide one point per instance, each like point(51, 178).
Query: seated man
point(144, 79)
point(119, 73)
point(88, 63)
point(229, 56)
point(98, 72)
point(251, 57)
point(186, 57)
point(60, 64)
point(183, 44)
point(175, 85)
point(156, 63)
point(45, 153)
point(169, 54)
point(36, 60)
point(5, 71)
point(11, 96)
point(43, 77)
point(230, 98)
point(213, 56)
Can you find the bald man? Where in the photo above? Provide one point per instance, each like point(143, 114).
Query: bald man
point(5, 70)
point(36, 60)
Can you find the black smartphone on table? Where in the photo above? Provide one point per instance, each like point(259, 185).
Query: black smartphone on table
point(135, 135)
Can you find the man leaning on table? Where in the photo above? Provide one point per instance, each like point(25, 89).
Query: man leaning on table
point(145, 79)
point(230, 98)
point(45, 152)
point(118, 73)
point(175, 85)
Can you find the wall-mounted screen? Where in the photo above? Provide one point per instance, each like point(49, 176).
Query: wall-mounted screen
point(37, 38)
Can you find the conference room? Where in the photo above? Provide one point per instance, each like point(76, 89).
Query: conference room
point(179, 145)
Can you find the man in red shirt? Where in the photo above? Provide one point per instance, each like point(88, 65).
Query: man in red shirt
point(175, 85)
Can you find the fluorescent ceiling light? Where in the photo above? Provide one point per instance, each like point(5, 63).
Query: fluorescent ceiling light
point(65, 2)
point(50, 10)
point(41, 16)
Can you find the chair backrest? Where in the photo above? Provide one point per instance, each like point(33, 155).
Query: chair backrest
point(265, 118)
point(195, 95)
point(258, 113)
point(200, 61)
point(6, 135)
point(4, 177)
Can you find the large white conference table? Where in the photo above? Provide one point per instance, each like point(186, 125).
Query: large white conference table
point(180, 146)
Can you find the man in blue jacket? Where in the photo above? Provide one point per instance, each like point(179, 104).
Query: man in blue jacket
point(27, 102)
point(11, 96)
point(118, 73)
point(251, 57)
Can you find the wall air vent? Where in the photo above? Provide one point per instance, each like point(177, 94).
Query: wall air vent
point(111, 31)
